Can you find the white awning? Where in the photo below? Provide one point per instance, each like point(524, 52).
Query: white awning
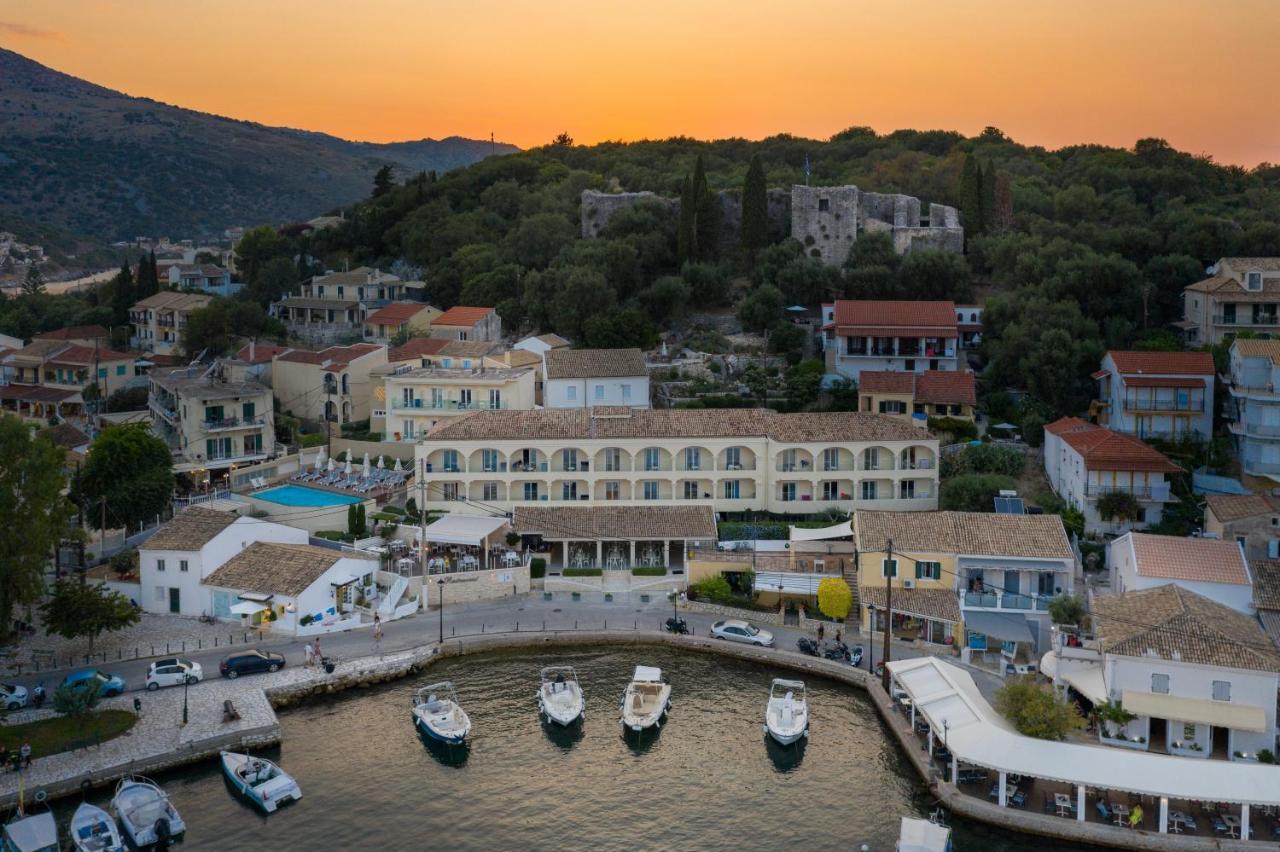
point(978, 735)
point(1088, 682)
point(843, 530)
point(344, 581)
point(789, 582)
point(464, 529)
point(1240, 717)
point(248, 607)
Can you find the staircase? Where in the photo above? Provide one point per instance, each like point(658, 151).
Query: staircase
point(391, 599)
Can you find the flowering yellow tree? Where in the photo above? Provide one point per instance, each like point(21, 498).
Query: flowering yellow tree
point(834, 598)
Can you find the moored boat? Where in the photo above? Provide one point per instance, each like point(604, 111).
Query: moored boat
point(262, 782)
point(786, 715)
point(144, 812)
point(646, 701)
point(93, 830)
point(560, 696)
point(922, 835)
point(35, 832)
point(439, 715)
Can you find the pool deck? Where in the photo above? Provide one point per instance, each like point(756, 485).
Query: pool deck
point(159, 742)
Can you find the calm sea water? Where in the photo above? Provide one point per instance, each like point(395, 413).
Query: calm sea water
point(708, 780)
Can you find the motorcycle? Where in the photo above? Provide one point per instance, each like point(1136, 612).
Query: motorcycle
point(37, 695)
point(838, 651)
point(855, 657)
point(677, 625)
point(807, 646)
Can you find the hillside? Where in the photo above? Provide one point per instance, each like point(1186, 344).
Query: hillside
point(92, 161)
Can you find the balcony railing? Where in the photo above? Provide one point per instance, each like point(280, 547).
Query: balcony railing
point(1155, 493)
point(1193, 406)
point(227, 423)
point(1260, 468)
point(1264, 430)
point(1000, 599)
point(164, 411)
point(1260, 319)
point(447, 405)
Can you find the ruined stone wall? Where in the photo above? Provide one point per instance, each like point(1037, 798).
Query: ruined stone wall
point(597, 208)
point(907, 240)
point(825, 220)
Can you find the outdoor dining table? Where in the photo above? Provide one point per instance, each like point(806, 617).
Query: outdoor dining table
point(1009, 790)
point(1063, 801)
point(1177, 819)
point(1233, 824)
point(1120, 813)
point(510, 558)
point(435, 564)
point(469, 561)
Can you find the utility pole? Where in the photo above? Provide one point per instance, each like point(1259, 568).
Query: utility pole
point(888, 610)
point(328, 427)
point(422, 524)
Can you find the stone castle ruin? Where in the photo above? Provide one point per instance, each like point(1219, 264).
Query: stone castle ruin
point(826, 219)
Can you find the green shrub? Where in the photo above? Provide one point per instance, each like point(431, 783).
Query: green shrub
point(335, 535)
point(305, 620)
point(311, 439)
point(1266, 755)
point(959, 430)
point(537, 568)
point(973, 492)
point(1119, 506)
point(983, 458)
point(392, 510)
point(648, 571)
point(583, 572)
point(714, 589)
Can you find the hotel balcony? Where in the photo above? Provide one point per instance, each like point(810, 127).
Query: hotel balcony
point(1158, 493)
point(1000, 599)
point(228, 424)
point(427, 405)
point(1194, 406)
point(1255, 430)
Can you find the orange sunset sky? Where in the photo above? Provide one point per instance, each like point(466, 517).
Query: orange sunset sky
point(1203, 75)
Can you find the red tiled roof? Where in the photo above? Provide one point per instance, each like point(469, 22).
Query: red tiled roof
point(262, 353)
point(911, 319)
point(86, 355)
point(1164, 363)
point(1101, 374)
point(75, 332)
point(301, 356)
point(930, 386)
point(335, 356)
point(1103, 449)
point(35, 393)
point(460, 315)
point(1163, 382)
point(396, 314)
point(1204, 560)
point(417, 347)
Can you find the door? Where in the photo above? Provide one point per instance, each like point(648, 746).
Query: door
point(1011, 582)
point(175, 600)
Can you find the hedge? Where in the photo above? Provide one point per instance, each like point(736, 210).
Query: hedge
point(537, 568)
point(765, 530)
point(959, 430)
point(394, 510)
point(583, 572)
point(335, 535)
point(648, 571)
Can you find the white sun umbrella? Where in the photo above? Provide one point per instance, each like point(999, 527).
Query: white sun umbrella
point(333, 465)
point(397, 467)
point(347, 469)
point(366, 465)
point(381, 465)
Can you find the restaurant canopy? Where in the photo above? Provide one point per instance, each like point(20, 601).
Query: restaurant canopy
point(1005, 626)
point(456, 528)
point(978, 735)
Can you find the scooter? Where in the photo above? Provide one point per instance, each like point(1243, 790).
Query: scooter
point(855, 656)
point(37, 695)
point(677, 625)
point(807, 646)
point(837, 651)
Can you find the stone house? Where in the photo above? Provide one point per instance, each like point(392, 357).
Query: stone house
point(1250, 520)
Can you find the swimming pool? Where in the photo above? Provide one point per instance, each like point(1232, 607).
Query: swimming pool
point(301, 495)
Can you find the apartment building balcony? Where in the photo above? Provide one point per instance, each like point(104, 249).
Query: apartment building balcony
point(1195, 406)
point(1000, 599)
point(428, 405)
point(167, 414)
point(1263, 319)
point(1254, 430)
point(1158, 493)
point(228, 424)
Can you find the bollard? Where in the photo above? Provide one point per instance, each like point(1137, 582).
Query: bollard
point(153, 650)
point(482, 627)
point(215, 641)
point(636, 626)
point(455, 630)
point(166, 647)
point(184, 646)
point(606, 624)
point(517, 627)
point(575, 624)
point(199, 644)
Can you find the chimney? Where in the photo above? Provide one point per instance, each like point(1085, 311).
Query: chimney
point(253, 348)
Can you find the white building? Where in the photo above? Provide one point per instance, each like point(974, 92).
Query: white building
point(1199, 678)
point(309, 589)
point(1084, 462)
point(1210, 567)
point(577, 378)
point(174, 561)
point(540, 344)
point(1156, 394)
point(902, 336)
point(1254, 407)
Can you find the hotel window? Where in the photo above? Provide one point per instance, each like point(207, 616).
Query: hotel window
point(464, 397)
point(495, 398)
point(531, 491)
point(626, 393)
point(733, 489)
point(437, 398)
point(489, 491)
point(908, 489)
point(733, 458)
point(1222, 690)
point(450, 490)
point(652, 456)
point(830, 491)
point(1160, 683)
point(831, 459)
point(182, 565)
point(570, 459)
point(569, 491)
point(449, 460)
point(1254, 281)
point(692, 458)
point(650, 490)
point(928, 570)
point(571, 393)
point(788, 492)
point(612, 491)
point(889, 568)
point(870, 459)
point(612, 459)
point(788, 459)
point(489, 460)
point(599, 393)
point(690, 490)
point(868, 491)
point(159, 564)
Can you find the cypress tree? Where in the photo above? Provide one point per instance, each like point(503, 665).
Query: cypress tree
point(155, 275)
point(971, 196)
point(123, 295)
point(755, 207)
point(707, 217)
point(988, 198)
point(686, 237)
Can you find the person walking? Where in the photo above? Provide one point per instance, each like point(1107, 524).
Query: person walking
point(310, 653)
point(25, 752)
point(821, 632)
point(837, 635)
point(377, 632)
point(319, 655)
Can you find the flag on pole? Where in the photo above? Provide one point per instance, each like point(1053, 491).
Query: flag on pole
point(807, 170)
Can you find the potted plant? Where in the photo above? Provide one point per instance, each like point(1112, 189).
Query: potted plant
point(1114, 717)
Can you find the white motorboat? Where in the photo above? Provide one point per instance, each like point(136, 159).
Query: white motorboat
point(260, 781)
point(145, 814)
point(646, 701)
point(786, 716)
point(93, 830)
point(922, 835)
point(31, 833)
point(438, 714)
point(560, 696)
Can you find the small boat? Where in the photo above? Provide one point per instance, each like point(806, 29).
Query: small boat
point(30, 833)
point(560, 697)
point(647, 699)
point(259, 780)
point(93, 830)
point(145, 814)
point(438, 714)
point(786, 716)
point(923, 835)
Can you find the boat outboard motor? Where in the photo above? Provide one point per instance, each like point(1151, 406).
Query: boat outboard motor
point(164, 833)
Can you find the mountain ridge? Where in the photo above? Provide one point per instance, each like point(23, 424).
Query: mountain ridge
point(94, 161)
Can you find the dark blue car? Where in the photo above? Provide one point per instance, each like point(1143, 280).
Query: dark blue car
point(248, 662)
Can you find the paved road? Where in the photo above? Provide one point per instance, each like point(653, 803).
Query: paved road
point(529, 612)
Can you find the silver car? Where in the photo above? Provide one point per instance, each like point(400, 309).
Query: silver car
point(742, 631)
point(174, 671)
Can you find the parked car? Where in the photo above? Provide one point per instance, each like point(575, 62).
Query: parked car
point(173, 671)
point(106, 684)
point(742, 631)
point(248, 662)
point(12, 696)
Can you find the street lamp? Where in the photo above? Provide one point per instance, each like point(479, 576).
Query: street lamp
point(675, 614)
point(186, 682)
point(440, 583)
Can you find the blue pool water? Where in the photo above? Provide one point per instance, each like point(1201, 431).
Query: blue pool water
point(300, 495)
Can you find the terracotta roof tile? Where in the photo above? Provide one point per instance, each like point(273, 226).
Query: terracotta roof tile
point(886, 381)
point(82, 355)
point(1256, 348)
point(624, 522)
point(1163, 363)
point(594, 363)
point(1170, 620)
point(271, 568)
point(1163, 382)
point(1266, 584)
point(1103, 449)
point(920, 319)
point(190, 529)
point(75, 332)
point(399, 312)
point(966, 533)
point(66, 436)
point(468, 348)
point(1205, 560)
point(1235, 507)
point(262, 353)
point(462, 316)
point(939, 604)
point(417, 347)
